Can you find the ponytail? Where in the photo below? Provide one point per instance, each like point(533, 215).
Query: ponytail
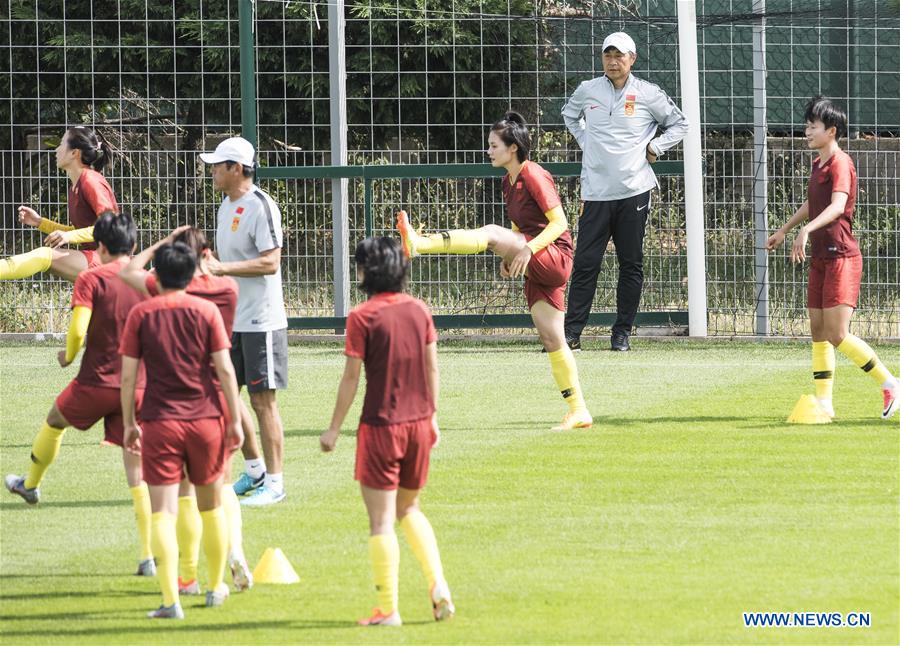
point(95, 151)
point(512, 129)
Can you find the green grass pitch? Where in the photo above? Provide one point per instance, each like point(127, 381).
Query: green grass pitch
point(688, 503)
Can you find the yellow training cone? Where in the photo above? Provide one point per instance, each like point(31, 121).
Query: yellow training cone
point(274, 567)
point(808, 411)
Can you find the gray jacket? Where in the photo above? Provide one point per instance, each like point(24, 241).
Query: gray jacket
point(614, 134)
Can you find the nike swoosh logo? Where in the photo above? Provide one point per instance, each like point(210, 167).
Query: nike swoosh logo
point(641, 208)
point(257, 381)
point(594, 106)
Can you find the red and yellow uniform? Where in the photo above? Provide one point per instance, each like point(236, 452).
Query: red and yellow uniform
point(534, 207)
point(87, 200)
point(836, 263)
point(390, 332)
point(176, 334)
point(94, 393)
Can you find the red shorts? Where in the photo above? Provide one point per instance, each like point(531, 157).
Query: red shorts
point(834, 281)
point(394, 455)
point(170, 445)
point(83, 406)
point(548, 273)
point(93, 258)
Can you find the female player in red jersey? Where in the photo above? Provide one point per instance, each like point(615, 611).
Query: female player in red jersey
point(393, 335)
point(222, 291)
point(836, 265)
point(538, 247)
point(82, 155)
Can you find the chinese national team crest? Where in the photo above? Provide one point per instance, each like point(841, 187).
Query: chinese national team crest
point(236, 220)
point(629, 104)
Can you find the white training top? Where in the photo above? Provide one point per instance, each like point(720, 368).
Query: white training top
point(246, 228)
point(614, 129)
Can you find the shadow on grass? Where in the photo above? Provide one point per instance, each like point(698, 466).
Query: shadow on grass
point(178, 627)
point(70, 594)
point(602, 423)
point(64, 504)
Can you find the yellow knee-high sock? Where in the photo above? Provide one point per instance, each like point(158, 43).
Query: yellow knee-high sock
point(420, 537)
point(26, 264)
point(140, 497)
point(823, 368)
point(565, 372)
point(215, 545)
point(461, 241)
point(43, 452)
point(234, 520)
point(384, 553)
point(188, 529)
point(859, 352)
point(165, 547)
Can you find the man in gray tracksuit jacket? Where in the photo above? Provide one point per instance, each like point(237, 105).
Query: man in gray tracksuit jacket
point(614, 118)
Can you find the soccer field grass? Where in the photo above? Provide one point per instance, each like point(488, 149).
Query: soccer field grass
point(689, 502)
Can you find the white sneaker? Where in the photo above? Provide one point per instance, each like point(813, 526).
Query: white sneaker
point(891, 401)
point(167, 612)
point(378, 618)
point(241, 575)
point(442, 605)
point(826, 406)
point(216, 598)
point(262, 497)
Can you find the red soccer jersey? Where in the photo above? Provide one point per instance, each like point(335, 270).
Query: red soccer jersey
point(175, 334)
point(389, 333)
point(110, 301)
point(221, 291)
point(532, 196)
point(837, 175)
point(90, 197)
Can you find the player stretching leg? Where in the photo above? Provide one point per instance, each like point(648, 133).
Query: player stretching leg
point(177, 335)
point(82, 155)
point(836, 264)
point(222, 291)
point(100, 304)
point(394, 334)
point(538, 247)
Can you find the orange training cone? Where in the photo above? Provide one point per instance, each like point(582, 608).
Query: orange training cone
point(808, 411)
point(274, 567)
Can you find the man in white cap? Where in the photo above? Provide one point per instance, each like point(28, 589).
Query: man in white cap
point(614, 118)
point(248, 243)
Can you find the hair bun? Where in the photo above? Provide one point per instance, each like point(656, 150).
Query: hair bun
point(514, 117)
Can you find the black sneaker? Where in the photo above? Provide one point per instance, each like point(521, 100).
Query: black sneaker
point(619, 343)
point(574, 345)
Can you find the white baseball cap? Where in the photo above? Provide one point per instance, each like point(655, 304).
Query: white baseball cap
point(234, 149)
point(621, 41)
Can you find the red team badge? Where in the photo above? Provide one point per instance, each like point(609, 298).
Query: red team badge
point(629, 104)
point(236, 220)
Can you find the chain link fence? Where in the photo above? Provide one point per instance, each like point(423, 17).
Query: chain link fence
point(425, 80)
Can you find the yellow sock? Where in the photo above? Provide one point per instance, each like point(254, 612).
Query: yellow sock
point(420, 537)
point(165, 547)
point(215, 545)
point(859, 352)
point(823, 368)
point(140, 496)
point(26, 264)
point(188, 529)
point(234, 520)
point(565, 372)
point(43, 452)
point(384, 553)
point(460, 241)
